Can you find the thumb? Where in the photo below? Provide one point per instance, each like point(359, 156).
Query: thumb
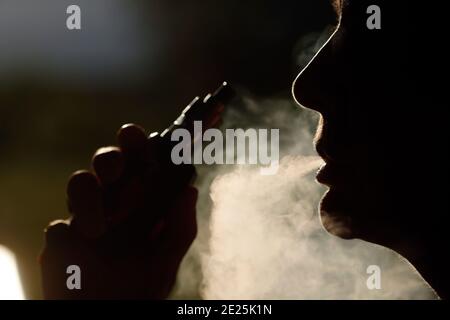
point(180, 224)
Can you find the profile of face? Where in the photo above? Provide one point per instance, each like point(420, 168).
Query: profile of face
point(360, 83)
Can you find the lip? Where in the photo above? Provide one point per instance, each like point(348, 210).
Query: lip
point(326, 175)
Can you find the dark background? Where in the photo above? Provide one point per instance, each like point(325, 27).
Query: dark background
point(64, 93)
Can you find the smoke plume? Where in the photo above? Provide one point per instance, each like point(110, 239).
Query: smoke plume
point(260, 237)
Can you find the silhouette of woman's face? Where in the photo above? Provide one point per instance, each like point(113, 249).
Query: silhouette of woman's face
point(354, 82)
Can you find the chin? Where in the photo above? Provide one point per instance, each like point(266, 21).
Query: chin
point(334, 218)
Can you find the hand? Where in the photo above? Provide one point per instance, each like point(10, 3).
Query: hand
point(97, 236)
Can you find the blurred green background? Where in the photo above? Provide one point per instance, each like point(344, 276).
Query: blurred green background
point(65, 93)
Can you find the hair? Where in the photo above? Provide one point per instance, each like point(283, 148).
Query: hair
point(337, 5)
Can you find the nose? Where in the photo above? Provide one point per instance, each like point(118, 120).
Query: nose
point(315, 86)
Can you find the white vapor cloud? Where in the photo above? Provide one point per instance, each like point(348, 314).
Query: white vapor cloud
point(260, 236)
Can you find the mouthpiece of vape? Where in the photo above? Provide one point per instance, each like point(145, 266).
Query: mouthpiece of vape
point(207, 110)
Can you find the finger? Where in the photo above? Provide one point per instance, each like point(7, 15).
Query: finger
point(130, 198)
point(83, 191)
point(57, 234)
point(108, 164)
point(53, 259)
point(84, 202)
point(176, 234)
point(132, 139)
